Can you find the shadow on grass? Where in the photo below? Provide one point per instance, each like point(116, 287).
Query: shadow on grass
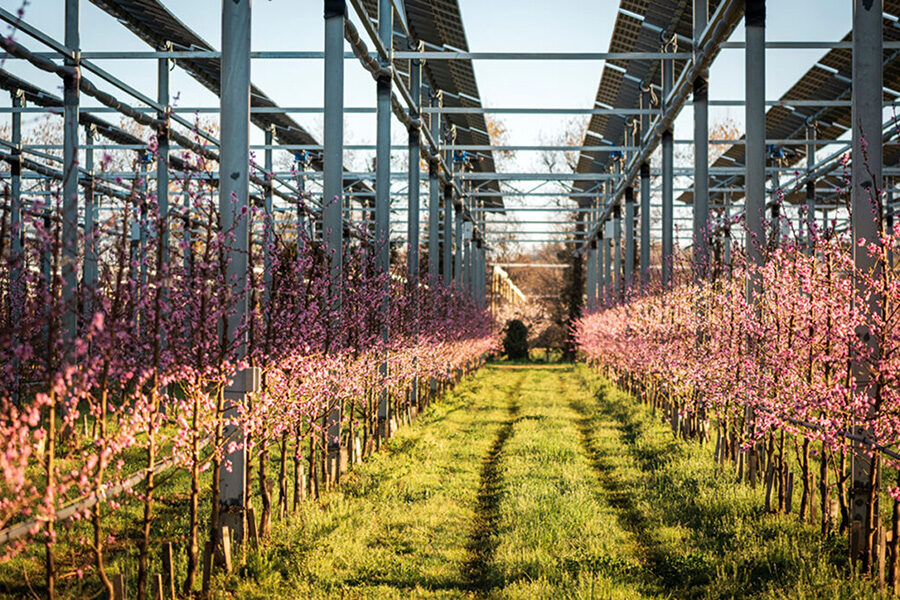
point(479, 571)
point(670, 572)
point(713, 559)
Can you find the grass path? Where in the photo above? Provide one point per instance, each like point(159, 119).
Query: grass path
point(541, 481)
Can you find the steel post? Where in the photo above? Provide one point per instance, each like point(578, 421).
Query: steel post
point(591, 277)
point(629, 237)
point(668, 181)
point(645, 194)
point(481, 256)
point(17, 235)
point(776, 202)
point(618, 289)
point(17, 224)
point(447, 237)
point(590, 256)
point(47, 223)
point(889, 221)
point(333, 152)
point(434, 196)
point(383, 198)
point(755, 144)
point(162, 156)
point(186, 230)
point(726, 230)
point(458, 243)
point(70, 174)
point(606, 240)
point(412, 236)
point(234, 192)
point(865, 215)
point(269, 223)
point(412, 247)
point(333, 199)
point(598, 254)
point(383, 154)
point(480, 275)
point(304, 231)
point(89, 267)
point(810, 224)
point(755, 165)
point(467, 257)
point(701, 151)
point(142, 225)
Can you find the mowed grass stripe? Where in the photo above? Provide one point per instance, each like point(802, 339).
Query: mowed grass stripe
point(542, 481)
point(401, 525)
point(558, 537)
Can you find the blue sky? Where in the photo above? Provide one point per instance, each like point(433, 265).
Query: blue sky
point(491, 25)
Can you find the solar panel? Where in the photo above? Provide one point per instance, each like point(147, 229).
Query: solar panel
point(829, 79)
point(153, 23)
point(640, 27)
point(438, 23)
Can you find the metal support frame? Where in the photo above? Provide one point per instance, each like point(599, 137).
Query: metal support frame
point(646, 242)
point(333, 154)
point(609, 270)
point(269, 224)
point(591, 276)
point(412, 252)
point(668, 177)
point(434, 196)
point(597, 275)
point(333, 202)
point(590, 290)
point(775, 204)
point(755, 163)
point(70, 169)
point(866, 214)
point(726, 231)
point(17, 235)
point(606, 277)
point(618, 287)
point(701, 149)
point(467, 258)
point(458, 246)
point(412, 247)
point(234, 199)
point(645, 194)
point(722, 23)
point(383, 195)
point(810, 225)
point(447, 237)
point(91, 226)
point(480, 274)
point(162, 154)
point(305, 230)
point(17, 224)
point(889, 219)
point(629, 237)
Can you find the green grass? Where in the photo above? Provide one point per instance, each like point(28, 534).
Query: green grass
point(540, 481)
point(701, 534)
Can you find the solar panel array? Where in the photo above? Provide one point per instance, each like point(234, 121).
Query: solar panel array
point(156, 25)
point(829, 79)
point(438, 24)
point(641, 26)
